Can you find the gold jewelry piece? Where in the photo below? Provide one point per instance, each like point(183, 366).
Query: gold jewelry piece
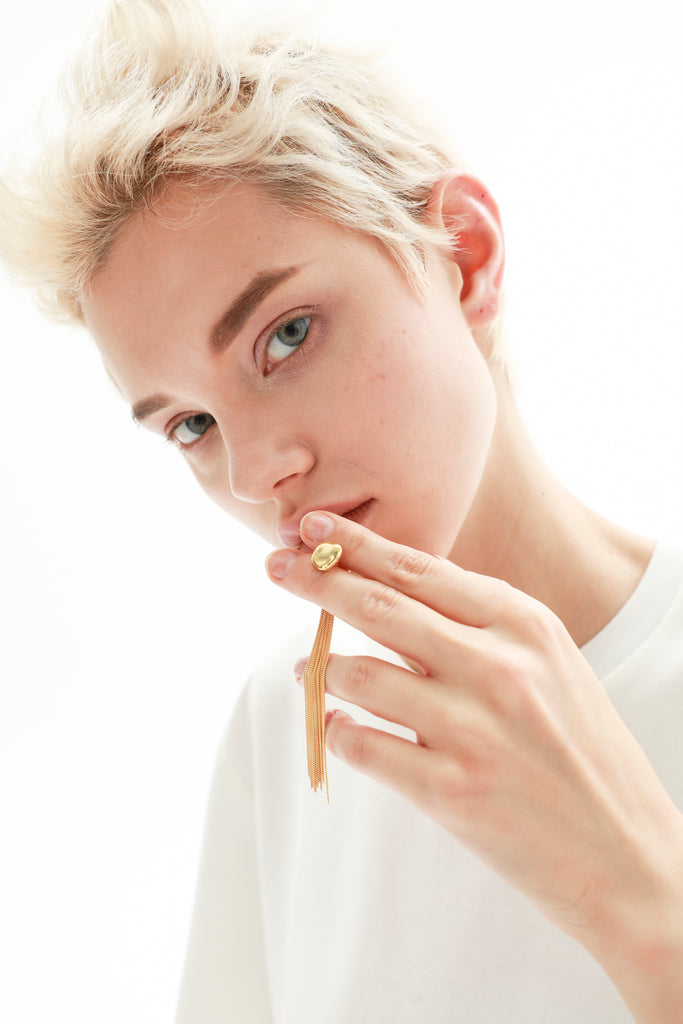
point(323, 558)
point(326, 555)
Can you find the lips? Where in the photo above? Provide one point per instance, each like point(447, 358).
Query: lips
point(289, 529)
point(357, 514)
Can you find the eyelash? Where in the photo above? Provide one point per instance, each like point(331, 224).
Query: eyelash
point(171, 437)
point(270, 332)
point(263, 343)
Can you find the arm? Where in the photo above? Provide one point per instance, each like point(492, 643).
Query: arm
point(520, 753)
point(224, 978)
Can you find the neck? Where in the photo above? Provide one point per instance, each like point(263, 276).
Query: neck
point(527, 529)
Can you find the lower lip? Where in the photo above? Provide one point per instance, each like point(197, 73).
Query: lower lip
point(292, 538)
point(359, 514)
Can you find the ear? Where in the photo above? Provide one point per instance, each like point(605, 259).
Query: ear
point(465, 208)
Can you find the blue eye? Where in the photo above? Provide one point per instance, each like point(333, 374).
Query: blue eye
point(190, 430)
point(287, 339)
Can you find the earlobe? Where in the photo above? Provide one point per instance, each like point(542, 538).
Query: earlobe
point(462, 205)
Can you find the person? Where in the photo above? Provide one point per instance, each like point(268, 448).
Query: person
point(286, 277)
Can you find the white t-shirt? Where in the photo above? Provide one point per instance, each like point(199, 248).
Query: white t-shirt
point(364, 911)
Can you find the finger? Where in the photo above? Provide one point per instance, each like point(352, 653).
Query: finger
point(421, 775)
point(463, 596)
point(400, 623)
point(389, 692)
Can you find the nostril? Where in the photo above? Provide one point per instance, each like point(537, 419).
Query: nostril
point(281, 483)
point(262, 465)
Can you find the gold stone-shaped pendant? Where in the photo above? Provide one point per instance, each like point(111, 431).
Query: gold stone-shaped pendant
point(326, 555)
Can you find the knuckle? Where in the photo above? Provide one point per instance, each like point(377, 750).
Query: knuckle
point(508, 689)
point(527, 620)
point(378, 601)
point(503, 599)
point(356, 747)
point(538, 626)
point(461, 790)
point(358, 676)
point(408, 566)
point(454, 787)
point(507, 669)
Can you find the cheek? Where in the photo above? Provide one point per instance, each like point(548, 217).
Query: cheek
point(428, 418)
point(427, 395)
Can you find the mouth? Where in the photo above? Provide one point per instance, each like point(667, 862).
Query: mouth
point(288, 532)
point(358, 514)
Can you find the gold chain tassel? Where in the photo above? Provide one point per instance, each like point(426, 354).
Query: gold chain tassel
point(323, 558)
point(314, 695)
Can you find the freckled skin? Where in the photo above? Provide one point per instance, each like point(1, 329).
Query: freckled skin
point(388, 397)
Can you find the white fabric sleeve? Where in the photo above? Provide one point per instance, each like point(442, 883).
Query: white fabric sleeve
point(224, 979)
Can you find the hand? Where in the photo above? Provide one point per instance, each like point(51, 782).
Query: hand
point(519, 752)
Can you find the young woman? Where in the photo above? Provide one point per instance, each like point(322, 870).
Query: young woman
point(289, 280)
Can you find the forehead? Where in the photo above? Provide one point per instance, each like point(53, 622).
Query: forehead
point(174, 267)
point(191, 227)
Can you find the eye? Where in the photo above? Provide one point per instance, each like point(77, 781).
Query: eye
point(188, 431)
point(287, 339)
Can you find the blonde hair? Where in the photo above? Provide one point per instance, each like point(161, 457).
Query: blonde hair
point(154, 97)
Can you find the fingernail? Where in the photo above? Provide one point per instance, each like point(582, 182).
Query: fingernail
point(317, 526)
point(299, 669)
point(279, 563)
point(334, 716)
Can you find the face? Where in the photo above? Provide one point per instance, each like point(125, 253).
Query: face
point(295, 369)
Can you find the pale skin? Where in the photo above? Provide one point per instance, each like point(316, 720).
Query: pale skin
point(466, 556)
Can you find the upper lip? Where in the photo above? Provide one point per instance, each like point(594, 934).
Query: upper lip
point(288, 530)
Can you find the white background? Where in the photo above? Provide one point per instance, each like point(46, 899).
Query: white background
point(131, 608)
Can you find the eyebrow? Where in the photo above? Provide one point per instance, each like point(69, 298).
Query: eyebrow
point(231, 323)
point(148, 406)
point(226, 328)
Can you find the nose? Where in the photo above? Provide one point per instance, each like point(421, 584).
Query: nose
point(264, 462)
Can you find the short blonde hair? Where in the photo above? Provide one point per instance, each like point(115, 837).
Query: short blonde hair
point(154, 97)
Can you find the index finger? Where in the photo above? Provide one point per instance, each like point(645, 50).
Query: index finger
point(457, 593)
